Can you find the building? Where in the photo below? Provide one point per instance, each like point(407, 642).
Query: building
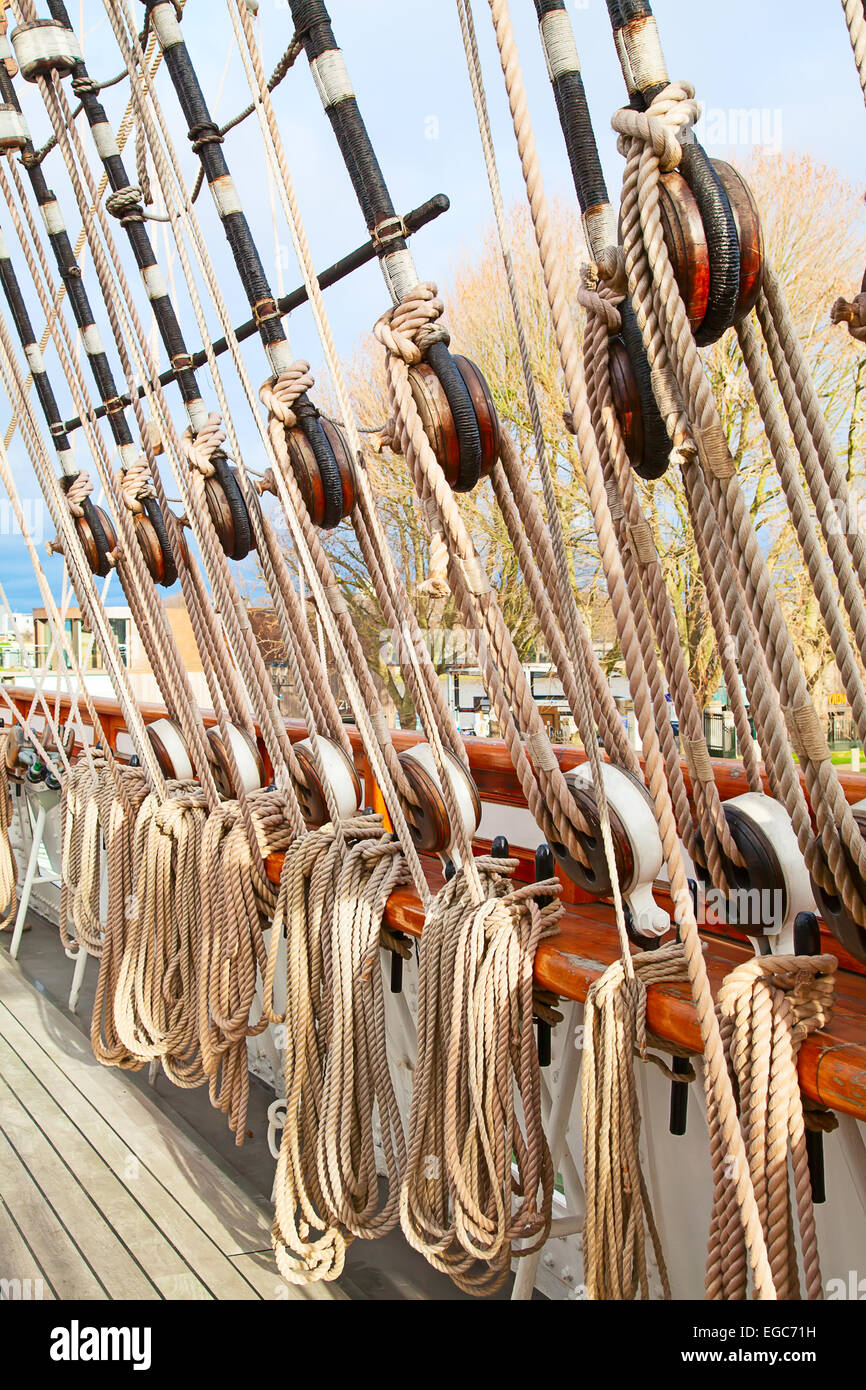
point(132, 652)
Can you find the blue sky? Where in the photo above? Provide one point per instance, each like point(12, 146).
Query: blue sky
point(789, 62)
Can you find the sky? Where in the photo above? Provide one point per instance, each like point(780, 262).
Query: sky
point(778, 73)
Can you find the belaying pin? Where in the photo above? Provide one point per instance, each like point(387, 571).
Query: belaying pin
point(545, 867)
point(807, 942)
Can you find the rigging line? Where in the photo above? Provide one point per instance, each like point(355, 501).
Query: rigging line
point(123, 136)
point(717, 1073)
point(40, 679)
point(416, 312)
point(572, 617)
point(733, 520)
point(281, 480)
point(149, 634)
point(599, 221)
point(125, 305)
point(156, 631)
point(170, 330)
point(263, 688)
point(420, 673)
point(369, 732)
point(80, 571)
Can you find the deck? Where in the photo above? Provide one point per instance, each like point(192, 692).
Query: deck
point(102, 1196)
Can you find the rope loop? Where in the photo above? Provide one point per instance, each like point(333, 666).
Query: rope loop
point(673, 110)
point(136, 485)
point(413, 326)
point(281, 394)
point(199, 449)
point(126, 204)
point(600, 302)
point(77, 493)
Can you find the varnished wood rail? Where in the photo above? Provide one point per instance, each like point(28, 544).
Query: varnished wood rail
point(832, 1063)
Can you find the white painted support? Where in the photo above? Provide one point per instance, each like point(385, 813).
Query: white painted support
point(80, 958)
point(524, 1281)
point(31, 880)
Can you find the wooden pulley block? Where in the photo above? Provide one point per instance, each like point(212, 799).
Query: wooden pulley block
point(432, 404)
point(831, 906)
point(228, 511)
point(429, 822)
point(773, 887)
point(638, 852)
point(249, 761)
point(686, 242)
point(171, 749)
point(153, 542)
point(340, 774)
point(95, 551)
point(329, 495)
point(97, 535)
point(687, 246)
point(626, 401)
point(15, 741)
point(750, 233)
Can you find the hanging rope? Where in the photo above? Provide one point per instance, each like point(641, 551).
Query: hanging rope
point(476, 1100)
point(619, 1217)
point(767, 1008)
point(717, 1080)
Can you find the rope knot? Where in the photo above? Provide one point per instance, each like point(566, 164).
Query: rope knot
point(281, 394)
point(413, 326)
point(136, 485)
point(126, 204)
point(77, 492)
point(199, 449)
point(673, 110)
point(598, 300)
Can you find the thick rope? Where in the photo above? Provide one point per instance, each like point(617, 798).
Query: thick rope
point(460, 1204)
point(619, 1216)
point(767, 1007)
point(717, 1079)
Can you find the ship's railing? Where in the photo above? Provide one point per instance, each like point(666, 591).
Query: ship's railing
point(832, 1064)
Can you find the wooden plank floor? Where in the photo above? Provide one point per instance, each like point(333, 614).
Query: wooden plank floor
point(101, 1195)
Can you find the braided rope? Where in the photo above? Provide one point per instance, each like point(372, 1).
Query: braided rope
point(476, 1059)
point(717, 1079)
point(619, 1214)
point(672, 109)
point(767, 1007)
point(856, 21)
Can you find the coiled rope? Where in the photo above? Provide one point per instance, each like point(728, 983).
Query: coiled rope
point(767, 1007)
point(478, 1174)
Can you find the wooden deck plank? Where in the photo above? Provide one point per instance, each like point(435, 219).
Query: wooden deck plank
point(236, 1221)
point(43, 1231)
point(17, 1260)
point(158, 1263)
point(205, 1270)
point(54, 1052)
point(22, 1120)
